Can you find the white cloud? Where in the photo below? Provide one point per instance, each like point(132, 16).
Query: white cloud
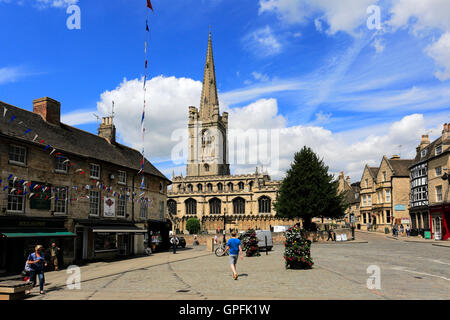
point(56, 3)
point(260, 76)
point(79, 117)
point(378, 45)
point(12, 74)
point(169, 98)
point(440, 52)
point(262, 42)
point(342, 15)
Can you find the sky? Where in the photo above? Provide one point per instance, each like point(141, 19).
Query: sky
point(315, 73)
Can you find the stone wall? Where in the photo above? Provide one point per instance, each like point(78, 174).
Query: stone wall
point(277, 237)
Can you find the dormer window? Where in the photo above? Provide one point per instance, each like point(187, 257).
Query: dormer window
point(439, 149)
point(423, 153)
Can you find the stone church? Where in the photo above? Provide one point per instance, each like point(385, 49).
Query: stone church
point(209, 192)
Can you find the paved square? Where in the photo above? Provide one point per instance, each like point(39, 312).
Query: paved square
point(408, 271)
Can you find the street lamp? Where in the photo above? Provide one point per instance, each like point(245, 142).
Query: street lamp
point(224, 223)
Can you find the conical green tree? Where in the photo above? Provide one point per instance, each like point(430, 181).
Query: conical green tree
point(309, 191)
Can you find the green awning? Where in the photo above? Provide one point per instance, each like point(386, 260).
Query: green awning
point(37, 234)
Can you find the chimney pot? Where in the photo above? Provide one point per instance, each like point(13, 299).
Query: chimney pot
point(49, 109)
point(107, 130)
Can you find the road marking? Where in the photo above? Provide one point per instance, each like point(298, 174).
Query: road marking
point(399, 268)
point(434, 260)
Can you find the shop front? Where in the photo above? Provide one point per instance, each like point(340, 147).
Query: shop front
point(99, 240)
point(158, 234)
point(20, 235)
point(440, 222)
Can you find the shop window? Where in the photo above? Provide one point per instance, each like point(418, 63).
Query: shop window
point(105, 241)
point(94, 203)
point(16, 198)
point(17, 155)
point(60, 200)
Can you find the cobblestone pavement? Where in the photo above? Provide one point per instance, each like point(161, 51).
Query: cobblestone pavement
point(408, 271)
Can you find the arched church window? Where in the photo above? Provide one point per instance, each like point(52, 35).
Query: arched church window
point(238, 206)
point(230, 186)
point(190, 188)
point(250, 185)
point(200, 187)
point(210, 187)
point(215, 206)
point(241, 186)
point(172, 207)
point(191, 206)
point(206, 167)
point(265, 204)
point(220, 186)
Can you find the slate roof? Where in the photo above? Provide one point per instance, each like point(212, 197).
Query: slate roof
point(430, 152)
point(401, 166)
point(374, 171)
point(70, 140)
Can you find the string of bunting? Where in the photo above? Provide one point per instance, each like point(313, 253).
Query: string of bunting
point(147, 40)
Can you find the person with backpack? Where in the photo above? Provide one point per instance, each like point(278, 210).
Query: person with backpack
point(37, 263)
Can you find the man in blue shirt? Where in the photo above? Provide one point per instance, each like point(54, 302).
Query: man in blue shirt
point(234, 245)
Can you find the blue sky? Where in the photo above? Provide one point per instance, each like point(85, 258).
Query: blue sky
point(313, 68)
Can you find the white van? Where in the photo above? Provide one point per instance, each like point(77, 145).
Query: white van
point(261, 235)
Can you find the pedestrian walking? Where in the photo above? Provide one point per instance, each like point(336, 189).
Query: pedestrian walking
point(174, 241)
point(402, 229)
point(54, 254)
point(235, 248)
point(408, 230)
point(330, 235)
point(37, 263)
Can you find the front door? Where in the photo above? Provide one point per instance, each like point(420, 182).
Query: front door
point(437, 228)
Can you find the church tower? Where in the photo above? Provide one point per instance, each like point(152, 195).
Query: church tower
point(208, 145)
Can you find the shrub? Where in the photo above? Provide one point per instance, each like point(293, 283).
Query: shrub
point(193, 225)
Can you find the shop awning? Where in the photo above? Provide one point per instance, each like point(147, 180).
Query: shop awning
point(118, 229)
point(37, 234)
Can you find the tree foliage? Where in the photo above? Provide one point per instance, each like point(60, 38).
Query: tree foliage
point(193, 225)
point(309, 191)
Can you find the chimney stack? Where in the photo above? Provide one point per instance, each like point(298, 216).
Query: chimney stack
point(446, 132)
point(48, 109)
point(107, 130)
point(425, 142)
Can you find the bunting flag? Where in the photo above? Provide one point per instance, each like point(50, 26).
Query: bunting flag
point(149, 5)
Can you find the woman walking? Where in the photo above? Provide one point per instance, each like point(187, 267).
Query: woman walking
point(37, 263)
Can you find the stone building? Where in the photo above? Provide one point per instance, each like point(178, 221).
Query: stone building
point(219, 200)
point(430, 203)
point(80, 190)
point(352, 198)
point(385, 194)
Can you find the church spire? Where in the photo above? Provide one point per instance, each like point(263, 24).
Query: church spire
point(209, 100)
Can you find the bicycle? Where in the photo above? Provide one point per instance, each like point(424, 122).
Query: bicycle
point(221, 250)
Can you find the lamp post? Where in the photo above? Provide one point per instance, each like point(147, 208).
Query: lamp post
point(224, 224)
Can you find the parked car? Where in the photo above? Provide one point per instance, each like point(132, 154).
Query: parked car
point(181, 242)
